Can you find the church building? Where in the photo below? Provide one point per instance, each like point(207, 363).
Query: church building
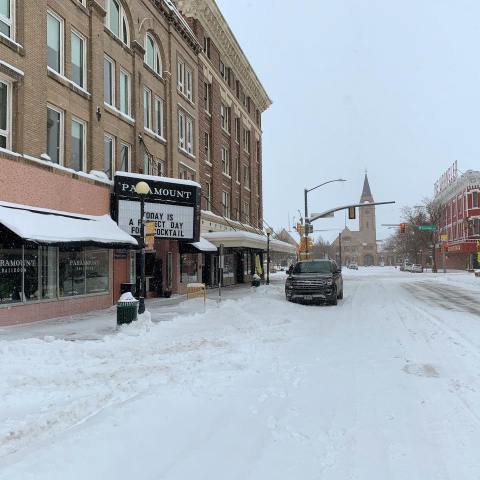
point(359, 246)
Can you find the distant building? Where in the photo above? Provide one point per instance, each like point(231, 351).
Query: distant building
point(460, 221)
point(359, 246)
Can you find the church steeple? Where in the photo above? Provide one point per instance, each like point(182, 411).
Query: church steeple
point(366, 192)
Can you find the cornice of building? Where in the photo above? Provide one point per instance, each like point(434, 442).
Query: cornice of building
point(212, 19)
point(471, 178)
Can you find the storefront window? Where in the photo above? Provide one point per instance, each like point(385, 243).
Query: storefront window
point(188, 267)
point(72, 272)
point(247, 263)
point(229, 266)
point(96, 270)
point(11, 267)
point(40, 270)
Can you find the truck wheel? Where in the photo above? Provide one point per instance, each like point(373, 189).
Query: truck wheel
point(334, 300)
point(340, 295)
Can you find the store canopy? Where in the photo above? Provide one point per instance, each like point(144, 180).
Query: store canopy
point(241, 238)
point(53, 227)
point(203, 245)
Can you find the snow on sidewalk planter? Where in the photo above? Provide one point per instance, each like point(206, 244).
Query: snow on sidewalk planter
point(48, 386)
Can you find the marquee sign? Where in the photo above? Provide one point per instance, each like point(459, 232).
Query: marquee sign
point(173, 207)
point(446, 179)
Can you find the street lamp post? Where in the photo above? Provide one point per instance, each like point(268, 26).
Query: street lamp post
point(142, 189)
point(269, 232)
point(307, 222)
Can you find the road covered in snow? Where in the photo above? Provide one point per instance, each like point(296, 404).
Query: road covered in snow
point(384, 386)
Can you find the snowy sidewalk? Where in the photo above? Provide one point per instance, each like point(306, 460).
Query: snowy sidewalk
point(95, 325)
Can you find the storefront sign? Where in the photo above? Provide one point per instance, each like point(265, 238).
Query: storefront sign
point(447, 178)
point(173, 208)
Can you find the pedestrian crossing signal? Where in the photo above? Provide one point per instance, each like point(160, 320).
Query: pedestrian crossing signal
point(403, 227)
point(352, 213)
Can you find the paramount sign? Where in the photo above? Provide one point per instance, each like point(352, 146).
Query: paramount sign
point(172, 206)
point(446, 179)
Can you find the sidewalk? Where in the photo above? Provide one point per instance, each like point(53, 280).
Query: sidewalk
point(95, 325)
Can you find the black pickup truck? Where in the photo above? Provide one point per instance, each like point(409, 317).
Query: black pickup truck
point(315, 281)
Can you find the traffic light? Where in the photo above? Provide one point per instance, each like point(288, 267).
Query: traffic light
point(403, 227)
point(352, 213)
point(445, 246)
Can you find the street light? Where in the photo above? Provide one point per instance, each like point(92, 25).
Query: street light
point(269, 232)
point(307, 222)
point(142, 189)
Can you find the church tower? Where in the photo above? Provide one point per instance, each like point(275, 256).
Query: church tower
point(368, 226)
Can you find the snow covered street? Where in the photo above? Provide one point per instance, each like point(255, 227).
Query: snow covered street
point(385, 386)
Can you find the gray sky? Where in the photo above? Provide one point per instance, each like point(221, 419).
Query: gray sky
point(391, 86)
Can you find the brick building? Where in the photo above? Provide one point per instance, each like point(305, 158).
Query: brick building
point(460, 220)
point(91, 87)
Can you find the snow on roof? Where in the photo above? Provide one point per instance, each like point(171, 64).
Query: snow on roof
point(154, 178)
point(204, 245)
point(51, 226)
point(248, 240)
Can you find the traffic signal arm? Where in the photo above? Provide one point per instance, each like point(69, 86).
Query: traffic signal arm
point(346, 207)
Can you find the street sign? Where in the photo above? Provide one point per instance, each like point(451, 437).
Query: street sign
point(427, 227)
point(443, 236)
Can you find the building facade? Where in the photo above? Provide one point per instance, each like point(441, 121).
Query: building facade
point(93, 87)
point(459, 222)
point(359, 246)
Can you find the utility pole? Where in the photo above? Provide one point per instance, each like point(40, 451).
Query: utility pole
point(340, 248)
point(306, 223)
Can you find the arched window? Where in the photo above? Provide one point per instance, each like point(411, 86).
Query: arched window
point(152, 54)
point(117, 21)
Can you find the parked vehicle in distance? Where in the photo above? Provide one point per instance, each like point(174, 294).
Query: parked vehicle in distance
point(353, 266)
point(417, 268)
point(408, 267)
point(318, 281)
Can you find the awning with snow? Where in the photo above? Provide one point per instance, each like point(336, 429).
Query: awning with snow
point(53, 227)
point(241, 238)
point(203, 245)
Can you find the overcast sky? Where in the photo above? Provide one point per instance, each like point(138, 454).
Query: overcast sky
point(385, 85)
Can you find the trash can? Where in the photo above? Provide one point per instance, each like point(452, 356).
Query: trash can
point(127, 309)
point(256, 281)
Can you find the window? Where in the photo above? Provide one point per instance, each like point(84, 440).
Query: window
point(258, 151)
point(225, 117)
point(237, 88)
point(185, 132)
point(207, 95)
point(83, 271)
point(109, 80)
point(188, 267)
point(246, 212)
point(226, 204)
point(55, 134)
point(78, 145)
point(237, 169)
point(186, 173)
point(109, 155)
point(475, 199)
point(207, 147)
point(184, 79)
point(125, 92)
point(237, 129)
point(225, 161)
point(159, 126)
point(40, 273)
point(55, 42)
point(79, 68)
point(116, 20)
point(246, 140)
point(181, 130)
point(161, 171)
point(237, 210)
point(147, 108)
point(189, 135)
point(208, 196)
point(125, 157)
point(7, 10)
point(246, 176)
point(5, 114)
point(223, 70)
point(152, 54)
point(206, 46)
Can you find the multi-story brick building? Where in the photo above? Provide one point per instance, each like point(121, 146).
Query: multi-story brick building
point(459, 203)
point(91, 87)
point(230, 129)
